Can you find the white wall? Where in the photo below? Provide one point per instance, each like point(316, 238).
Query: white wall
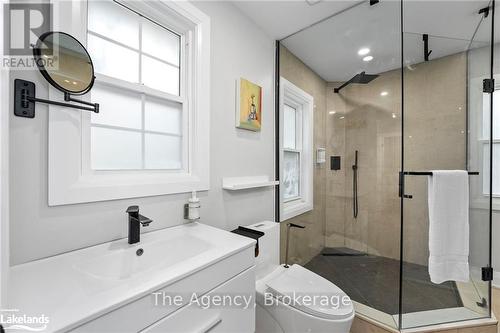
point(4, 172)
point(238, 48)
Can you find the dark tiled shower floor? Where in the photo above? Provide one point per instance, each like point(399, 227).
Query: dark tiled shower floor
point(374, 281)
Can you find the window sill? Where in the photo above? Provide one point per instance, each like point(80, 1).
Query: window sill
point(295, 208)
point(484, 204)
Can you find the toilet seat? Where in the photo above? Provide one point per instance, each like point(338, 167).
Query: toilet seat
point(310, 293)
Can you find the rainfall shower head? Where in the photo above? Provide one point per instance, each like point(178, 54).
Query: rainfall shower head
point(361, 78)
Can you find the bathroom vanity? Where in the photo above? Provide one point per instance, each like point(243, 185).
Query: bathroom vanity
point(162, 284)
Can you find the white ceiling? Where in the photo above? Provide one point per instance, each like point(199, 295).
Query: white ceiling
point(330, 47)
point(279, 19)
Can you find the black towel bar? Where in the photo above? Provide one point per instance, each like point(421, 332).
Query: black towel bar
point(429, 173)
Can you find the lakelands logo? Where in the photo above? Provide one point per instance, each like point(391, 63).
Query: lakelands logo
point(13, 319)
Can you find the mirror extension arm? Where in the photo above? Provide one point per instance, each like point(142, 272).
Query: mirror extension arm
point(24, 100)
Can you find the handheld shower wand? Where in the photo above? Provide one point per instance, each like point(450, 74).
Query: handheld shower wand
point(289, 225)
point(355, 207)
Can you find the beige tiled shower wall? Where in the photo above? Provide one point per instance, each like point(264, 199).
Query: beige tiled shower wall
point(365, 120)
point(360, 118)
point(308, 242)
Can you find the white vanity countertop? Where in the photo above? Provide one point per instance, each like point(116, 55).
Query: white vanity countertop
point(78, 286)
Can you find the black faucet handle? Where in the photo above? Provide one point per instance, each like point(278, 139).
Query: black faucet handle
point(145, 221)
point(133, 209)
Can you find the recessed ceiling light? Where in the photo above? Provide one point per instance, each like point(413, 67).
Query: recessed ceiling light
point(332, 112)
point(384, 93)
point(313, 2)
point(368, 58)
point(363, 51)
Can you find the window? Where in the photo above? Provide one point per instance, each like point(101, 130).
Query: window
point(139, 127)
point(296, 150)
point(485, 139)
point(151, 136)
point(291, 153)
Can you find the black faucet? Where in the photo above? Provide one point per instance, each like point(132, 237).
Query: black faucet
point(134, 224)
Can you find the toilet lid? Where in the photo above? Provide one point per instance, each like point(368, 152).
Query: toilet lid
point(308, 292)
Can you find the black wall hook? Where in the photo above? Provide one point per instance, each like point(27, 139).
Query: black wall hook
point(25, 99)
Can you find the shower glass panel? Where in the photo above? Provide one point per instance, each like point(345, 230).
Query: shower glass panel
point(353, 72)
point(444, 112)
point(398, 93)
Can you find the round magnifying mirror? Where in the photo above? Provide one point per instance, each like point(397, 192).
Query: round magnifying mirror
point(64, 62)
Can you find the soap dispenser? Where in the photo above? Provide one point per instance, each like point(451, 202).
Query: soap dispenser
point(192, 208)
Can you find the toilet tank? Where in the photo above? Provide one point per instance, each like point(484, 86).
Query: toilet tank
point(269, 247)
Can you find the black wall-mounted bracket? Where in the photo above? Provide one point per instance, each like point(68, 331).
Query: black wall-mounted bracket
point(374, 2)
point(487, 273)
point(25, 99)
point(401, 191)
point(488, 86)
point(485, 11)
point(427, 53)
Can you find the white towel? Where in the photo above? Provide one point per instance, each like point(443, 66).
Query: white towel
point(448, 226)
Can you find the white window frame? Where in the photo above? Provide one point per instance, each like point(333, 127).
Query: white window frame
point(478, 140)
point(145, 92)
point(298, 140)
point(70, 178)
point(293, 96)
point(485, 142)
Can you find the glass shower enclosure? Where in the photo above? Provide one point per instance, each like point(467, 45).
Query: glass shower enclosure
point(400, 91)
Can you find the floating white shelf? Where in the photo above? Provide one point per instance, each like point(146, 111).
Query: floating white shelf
point(241, 183)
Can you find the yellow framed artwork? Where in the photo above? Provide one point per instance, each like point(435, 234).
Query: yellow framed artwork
point(248, 105)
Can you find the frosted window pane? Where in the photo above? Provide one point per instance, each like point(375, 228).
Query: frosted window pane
point(117, 107)
point(289, 127)
point(486, 169)
point(160, 42)
point(115, 22)
point(114, 60)
point(159, 75)
point(291, 175)
point(163, 151)
point(496, 115)
point(162, 116)
point(115, 149)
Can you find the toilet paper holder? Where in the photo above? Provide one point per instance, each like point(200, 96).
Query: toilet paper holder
point(250, 233)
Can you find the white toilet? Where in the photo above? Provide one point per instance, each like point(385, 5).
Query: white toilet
point(295, 299)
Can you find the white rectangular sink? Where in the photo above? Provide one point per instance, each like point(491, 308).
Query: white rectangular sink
point(78, 286)
point(122, 261)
